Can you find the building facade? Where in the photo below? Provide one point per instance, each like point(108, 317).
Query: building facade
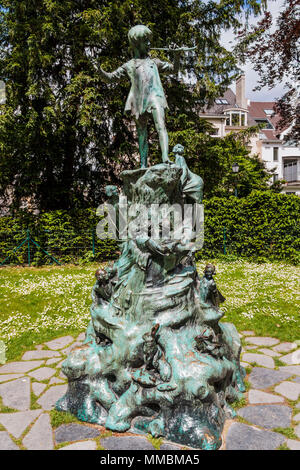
point(233, 112)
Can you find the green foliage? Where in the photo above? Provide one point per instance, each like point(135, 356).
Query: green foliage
point(283, 447)
point(278, 363)
point(68, 236)
point(62, 130)
point(40, 304)
point(288, 432)
point(212, 158)
point(239, 404)
point(264, 226)
point(33, 402)
point(58, 418)
point(155, 441)
point(5, 409)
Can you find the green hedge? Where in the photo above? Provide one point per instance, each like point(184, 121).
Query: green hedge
point(68, 236)
point(263, 226)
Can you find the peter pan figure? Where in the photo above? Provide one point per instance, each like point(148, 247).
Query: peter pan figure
point(146, 95)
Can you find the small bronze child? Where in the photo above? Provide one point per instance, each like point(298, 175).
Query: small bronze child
point(208, 288)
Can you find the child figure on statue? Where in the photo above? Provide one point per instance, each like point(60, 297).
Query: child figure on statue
point(146, 95)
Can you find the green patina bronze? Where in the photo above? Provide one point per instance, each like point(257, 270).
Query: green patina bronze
point(156, 358)
point(146, 95)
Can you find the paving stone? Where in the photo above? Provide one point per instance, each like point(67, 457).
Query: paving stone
point(66, 351)
point(269, 352)
point(297, 380)
point(6, 443)
point(30, 355)
point(247, 347)
point(243, 437)
point(126, 443)
point(56, 380)
point(81, 337)
point(5, 378)
point(262, 340)
point(44, 373)
point(289, 390)
point(257, 396)
point(38, 388)
point(62, 375)
point(167, 446)
point(75, 432)
point(297, 430)
point(296, 417)
point(263, 378)
point(244, 364)
point(285, 347)
point(86, 445)
point(50, 397)
point(294, 370)
point(16, 394)
point(59, 343)
point(267, 416)
point(260, 359)
point(293, 445)
point(292, 358)
point(20, 367)
point(16, 423)
point(52, 361)
point(248, 333)
point(40, 435)
point(298, 405)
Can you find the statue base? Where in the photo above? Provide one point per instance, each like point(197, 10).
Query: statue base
point(156, 358)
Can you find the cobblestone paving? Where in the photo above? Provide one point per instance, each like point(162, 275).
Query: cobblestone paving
point(268, 417)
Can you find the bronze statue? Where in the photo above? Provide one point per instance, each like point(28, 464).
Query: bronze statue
point(146, 95)
point(208, 288)
point(192, 184)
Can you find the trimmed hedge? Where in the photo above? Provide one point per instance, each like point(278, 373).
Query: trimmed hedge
point(263, 226)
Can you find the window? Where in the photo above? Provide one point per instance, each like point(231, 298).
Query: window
point(235, 119)
point(275, 154)
point(214, 131)
point(269, 112)
point(221, 101)
point(275, 177)
point(290, 171)
point(266, 123)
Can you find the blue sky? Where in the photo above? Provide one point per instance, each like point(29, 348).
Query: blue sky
point(251, 76)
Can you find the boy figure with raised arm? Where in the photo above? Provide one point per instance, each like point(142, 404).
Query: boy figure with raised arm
point(146, 95)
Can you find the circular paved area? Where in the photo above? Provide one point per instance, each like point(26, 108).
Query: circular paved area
point(268, 417)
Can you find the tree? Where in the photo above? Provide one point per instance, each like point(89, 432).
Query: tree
point(276, 58)
point(63, 135)
point(213, 157)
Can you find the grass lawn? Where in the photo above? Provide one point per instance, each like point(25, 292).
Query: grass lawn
point(38, 304)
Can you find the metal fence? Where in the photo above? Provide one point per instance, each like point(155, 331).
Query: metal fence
point(33, 247)
point(27, 247)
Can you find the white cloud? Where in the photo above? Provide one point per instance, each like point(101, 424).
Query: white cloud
point(265, 94)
